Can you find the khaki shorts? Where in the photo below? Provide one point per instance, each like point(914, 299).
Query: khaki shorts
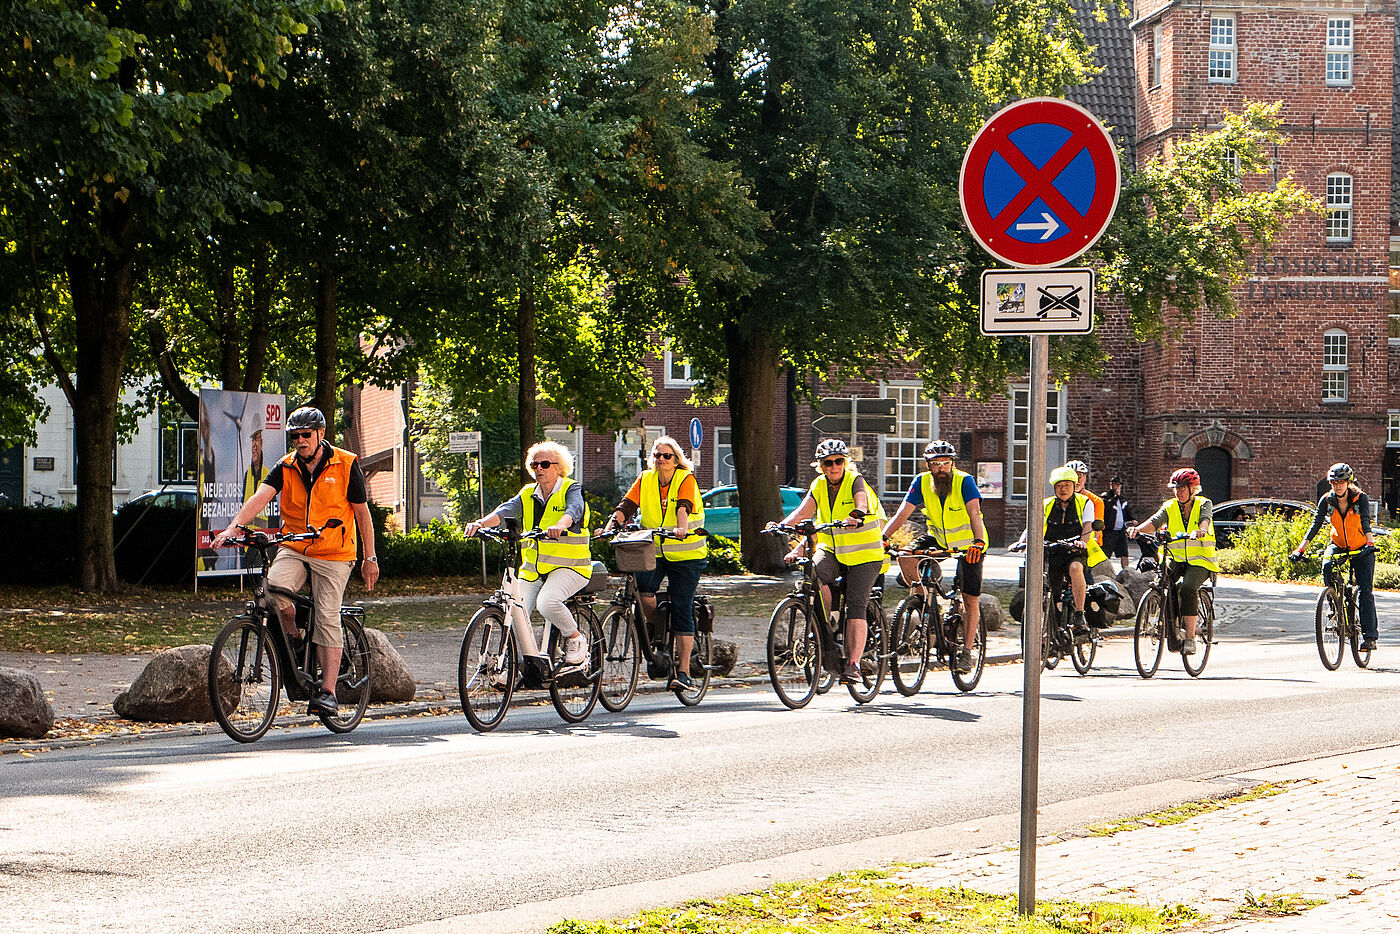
point(328, 579)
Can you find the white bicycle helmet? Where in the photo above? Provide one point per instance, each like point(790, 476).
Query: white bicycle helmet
point(832, 447)
point(1078, 467)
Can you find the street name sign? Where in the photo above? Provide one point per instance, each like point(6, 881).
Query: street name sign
point(464, 442)
point(1049, 301)
point(841, 405)
point(1039, 183)
point(865, 424)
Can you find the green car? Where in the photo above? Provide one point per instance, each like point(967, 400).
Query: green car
point(722, 508)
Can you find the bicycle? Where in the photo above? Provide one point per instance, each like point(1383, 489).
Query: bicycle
point(921, 632)
point(1336, 616)
point(1058, 638)
point(490, 668)
point(251, 653)
point(627, 638)
point(1159, 624)
point(806, 647)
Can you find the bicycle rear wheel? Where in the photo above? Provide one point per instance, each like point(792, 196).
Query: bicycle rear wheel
point(1361, 656)
point(909, 654)
point(1082, 655)
point(352, 683)
point(1205, 635)
point(967, 680)
point(1049, 642)
point(1328, 628)
point(486, 669)
point(794, 654)
point(575, 694)
point(1149, 634)
point(621, 659)
point(872, 659)
point(244, 684)
point(698, 669)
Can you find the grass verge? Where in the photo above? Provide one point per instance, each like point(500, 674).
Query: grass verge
point(850, 903)
point(1187, 810)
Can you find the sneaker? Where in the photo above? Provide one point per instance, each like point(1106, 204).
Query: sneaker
point(681, 682)
point(1188, 646)
point(575, 649)
point(498, 680)
point(964, 662)
point(1082, 636)
point(851, 675)
point(324, 702)
point(1368, 645)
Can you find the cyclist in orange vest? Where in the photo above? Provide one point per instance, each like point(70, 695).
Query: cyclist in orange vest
point(317, 482)
point(1349, 511)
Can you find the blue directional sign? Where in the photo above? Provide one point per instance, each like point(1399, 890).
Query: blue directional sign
point(1039, 183)
point(697, 433)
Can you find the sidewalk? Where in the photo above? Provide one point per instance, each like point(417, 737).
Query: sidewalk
point(1331, 836)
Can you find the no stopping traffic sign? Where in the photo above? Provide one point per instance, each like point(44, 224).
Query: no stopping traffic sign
point(1039, 183)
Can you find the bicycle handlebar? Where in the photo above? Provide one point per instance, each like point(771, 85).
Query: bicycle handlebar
point(805, 527)
point(608, 535)
point(259, 538)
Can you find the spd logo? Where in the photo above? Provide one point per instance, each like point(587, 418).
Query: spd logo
point(273, 420)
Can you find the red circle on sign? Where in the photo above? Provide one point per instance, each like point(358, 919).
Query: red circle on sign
point(1039, 183)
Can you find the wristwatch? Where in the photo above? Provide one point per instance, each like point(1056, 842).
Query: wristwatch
point(373, 559)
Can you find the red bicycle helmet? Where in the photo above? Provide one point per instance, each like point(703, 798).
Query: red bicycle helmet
point(1184, 477)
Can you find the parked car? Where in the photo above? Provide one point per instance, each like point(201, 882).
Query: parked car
point(168, 498)
point(1230, 517)
point(722, 508)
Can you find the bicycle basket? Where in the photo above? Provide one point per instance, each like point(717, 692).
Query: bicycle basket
point(599, 581)
point(634, 551)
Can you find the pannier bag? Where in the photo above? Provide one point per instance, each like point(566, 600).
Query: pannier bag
point(704, 615)
point(599, 581)
point(635, 551)
point(1101, 603)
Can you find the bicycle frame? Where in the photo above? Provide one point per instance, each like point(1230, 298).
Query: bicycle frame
point(507, 600)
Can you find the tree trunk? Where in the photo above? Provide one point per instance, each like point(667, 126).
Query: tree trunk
point(525, 353)
point(259, 324)
point(753, 382)
point(226, 314)
point(327, 348)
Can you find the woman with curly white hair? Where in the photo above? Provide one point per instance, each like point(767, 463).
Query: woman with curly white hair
point(554, 568)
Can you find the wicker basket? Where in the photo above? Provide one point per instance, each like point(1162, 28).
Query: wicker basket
point(635, 551)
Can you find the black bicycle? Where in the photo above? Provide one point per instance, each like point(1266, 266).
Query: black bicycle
point(627, 638)
point(1337, 622)
point(923, 633)
point(1159, 624)
point(490, 668)
point(806, 648)
point(251, 655)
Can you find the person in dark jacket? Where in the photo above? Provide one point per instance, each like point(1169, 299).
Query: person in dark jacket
point(1118, 515)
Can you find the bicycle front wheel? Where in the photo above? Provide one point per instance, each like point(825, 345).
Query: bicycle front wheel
point(575, 694)
point(1361, 656)
point(1149, 634)
point(794, 654)
point(699, 669)
point(486, 669)
point(872, 660)
point(1205, 635)
point(1082, 655)
point(1328, 628)
point(967, 680)
point(352, 683)
point(621, 659)
point(1050, 654)
point(909, 654)
point(244, 685)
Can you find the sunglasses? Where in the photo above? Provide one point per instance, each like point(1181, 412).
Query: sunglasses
point(541, 465)
point(833, 462)
point(298, 435)
point(662, 456)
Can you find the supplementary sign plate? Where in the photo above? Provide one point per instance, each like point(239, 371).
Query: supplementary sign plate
point(1050, 301)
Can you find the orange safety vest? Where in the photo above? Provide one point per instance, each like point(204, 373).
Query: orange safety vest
point(1346, 526)
point(329, 499)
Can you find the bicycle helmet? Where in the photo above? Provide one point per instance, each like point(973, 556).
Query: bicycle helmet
point(940, 449)
point(1341, 472)
point(1061, 474)
point(1184, 477)
point(832, 446)
point(307, 416)
point(1078, 467)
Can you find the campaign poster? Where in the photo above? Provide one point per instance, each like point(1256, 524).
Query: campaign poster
point(241, 436)
point(991, 479)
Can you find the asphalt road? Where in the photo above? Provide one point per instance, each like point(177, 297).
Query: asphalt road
point(405, 822)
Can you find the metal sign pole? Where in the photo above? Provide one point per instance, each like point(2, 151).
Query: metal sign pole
point(481, 512)
point(854, 411)
point(1034, 622)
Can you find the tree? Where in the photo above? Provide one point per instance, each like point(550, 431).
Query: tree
point(105, 162)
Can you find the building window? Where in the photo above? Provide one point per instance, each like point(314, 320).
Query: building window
point(724, 458)
point(1231, 162)
point(572, 440)
point(633, 445)
point(179, 453)
point(1392, 430)
point(1154, 67)
point(678, 372)
point(1339, 208)
point(1056, 440)
point(1394, 326)
point(917, 425)
point(1339, 49)
point(1222, 49)
point(1334, 366)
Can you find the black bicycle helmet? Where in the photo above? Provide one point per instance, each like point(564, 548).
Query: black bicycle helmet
point(940, 448)
point(1340, 472)
point(308, 416)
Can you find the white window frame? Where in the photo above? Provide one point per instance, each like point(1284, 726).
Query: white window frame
point(1220, 66)
point(1018, 450)
point(1340, 207)
point(721, 450)
point(620, 445)
point(1154, 59)
point(684, 380)
point(1336, 367)
point(571, 438)
point(1392, 429)
point(1339, 50)
point(918, 421)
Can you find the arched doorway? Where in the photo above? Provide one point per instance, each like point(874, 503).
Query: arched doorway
point(1213, 464)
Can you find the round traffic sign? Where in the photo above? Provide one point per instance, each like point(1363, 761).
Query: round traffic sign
point(696, 433)
point(1039, 182)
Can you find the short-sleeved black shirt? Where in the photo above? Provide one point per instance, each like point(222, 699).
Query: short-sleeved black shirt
point(357, 492)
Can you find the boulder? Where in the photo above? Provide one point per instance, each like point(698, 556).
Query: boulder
point(390, 679)
point(723, 657)
point(172, 688)
point(24, 710)
point(1134, 583)
point(990, 608)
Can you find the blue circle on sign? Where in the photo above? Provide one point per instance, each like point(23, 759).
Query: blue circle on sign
point(695, 432)
point(1039, 223)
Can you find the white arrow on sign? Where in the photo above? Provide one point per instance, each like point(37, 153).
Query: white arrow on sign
point(1050, 226)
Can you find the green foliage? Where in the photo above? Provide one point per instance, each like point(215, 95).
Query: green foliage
point(1263, 547)
point(1387, 577)
point(436, 549)
point(724, 556)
